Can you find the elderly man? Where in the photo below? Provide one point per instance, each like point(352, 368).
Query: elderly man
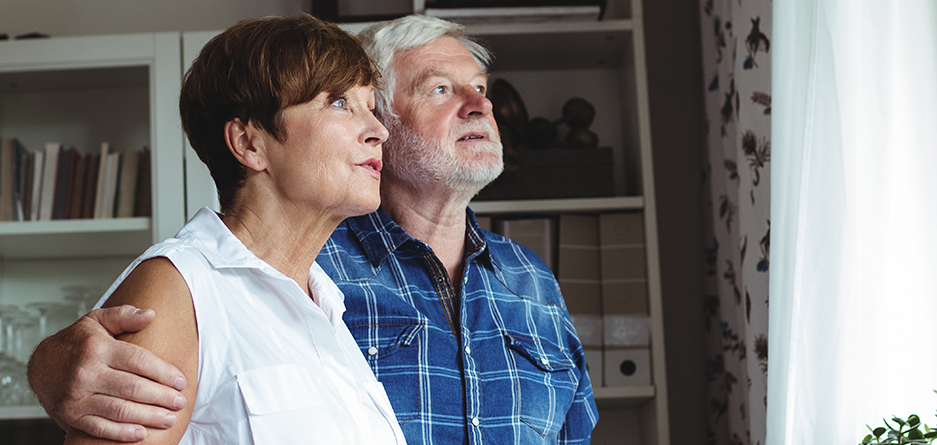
point(466, 330)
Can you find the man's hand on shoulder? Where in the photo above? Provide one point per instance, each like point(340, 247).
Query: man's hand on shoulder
point(87, 379)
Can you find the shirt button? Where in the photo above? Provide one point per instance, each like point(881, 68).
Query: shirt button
point(475, 421)
point(544, 361)
point(372, 351)
point(468, 350)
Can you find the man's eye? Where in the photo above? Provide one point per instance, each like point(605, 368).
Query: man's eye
point(480, 89)
point(341, 102)
point(440, 89)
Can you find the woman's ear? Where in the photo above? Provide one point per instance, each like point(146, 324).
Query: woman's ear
point(246, 143)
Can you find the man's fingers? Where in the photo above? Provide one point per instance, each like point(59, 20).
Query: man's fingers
point(122, 319)
point(117, 411)
point(160, 386)
point(106, 429)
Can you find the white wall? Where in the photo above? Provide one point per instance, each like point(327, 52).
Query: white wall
point(83, 17)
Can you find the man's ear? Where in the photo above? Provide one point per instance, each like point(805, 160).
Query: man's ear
point(246, 143)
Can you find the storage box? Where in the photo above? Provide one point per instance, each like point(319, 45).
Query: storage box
point(554, 173)
point(627, 367)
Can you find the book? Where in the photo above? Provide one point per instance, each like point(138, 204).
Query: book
point(127, 184)
point(22, 168)
point(109, 193)
point(63, 180)
point(580, 278)
point(102, 179)
point(7, 178)
point(76, 188)
point(90, 188)
point(143, 203)
point(36, 186)
point(27, 182)
point(47, 198)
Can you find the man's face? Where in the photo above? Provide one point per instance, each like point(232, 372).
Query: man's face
point(445, 131)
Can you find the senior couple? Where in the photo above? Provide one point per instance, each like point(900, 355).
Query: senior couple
point(342, 295)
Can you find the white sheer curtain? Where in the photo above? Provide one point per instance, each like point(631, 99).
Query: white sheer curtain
point(853, 337)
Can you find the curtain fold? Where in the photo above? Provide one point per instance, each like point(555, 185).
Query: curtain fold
point(736, 40)
point(854, 208)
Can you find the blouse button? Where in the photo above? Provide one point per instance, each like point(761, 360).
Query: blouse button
point(475, 421)
point(372, 351)
point(468, 350)
point(544, 361)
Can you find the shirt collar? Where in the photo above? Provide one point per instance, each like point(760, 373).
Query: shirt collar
point(379, 235)
point(225, 251)
point(221, 248)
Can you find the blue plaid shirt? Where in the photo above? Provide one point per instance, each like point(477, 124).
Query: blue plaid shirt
point(509, 371)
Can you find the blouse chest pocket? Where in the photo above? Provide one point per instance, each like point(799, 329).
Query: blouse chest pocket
point(546, 379)
point(284, 407)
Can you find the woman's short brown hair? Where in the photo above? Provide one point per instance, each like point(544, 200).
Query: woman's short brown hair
point(255, 69)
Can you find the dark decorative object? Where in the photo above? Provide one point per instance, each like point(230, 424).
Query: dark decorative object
point(536, 166)
point(517, 130)
point(578, 115)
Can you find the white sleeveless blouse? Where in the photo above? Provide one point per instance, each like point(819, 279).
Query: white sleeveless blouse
point(275, 367)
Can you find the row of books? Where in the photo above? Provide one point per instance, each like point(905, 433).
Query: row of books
point(600, 262)
point(59, 183)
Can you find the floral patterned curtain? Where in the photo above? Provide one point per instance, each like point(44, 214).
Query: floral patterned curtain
point(736, 50)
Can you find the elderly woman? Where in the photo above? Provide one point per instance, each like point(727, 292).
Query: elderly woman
point(280, 111)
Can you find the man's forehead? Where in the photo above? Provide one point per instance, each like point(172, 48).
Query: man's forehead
point(429, 72)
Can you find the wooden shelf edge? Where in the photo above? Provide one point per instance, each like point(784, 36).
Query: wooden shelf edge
point(624, 396)
point(552, 26)
point(74, 226)
point(559, 205)
point(22, 412)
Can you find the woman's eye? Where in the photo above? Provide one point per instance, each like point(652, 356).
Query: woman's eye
point(341, 102)
point(440, 89)
point(480, 89)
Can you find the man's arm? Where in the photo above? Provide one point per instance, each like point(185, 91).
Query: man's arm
point(87, 379)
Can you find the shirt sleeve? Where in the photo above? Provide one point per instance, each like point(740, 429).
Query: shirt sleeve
point(583, 414)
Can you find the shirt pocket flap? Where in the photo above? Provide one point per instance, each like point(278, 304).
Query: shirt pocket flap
point(277, 388)
point(377, 340)
point(542, 354)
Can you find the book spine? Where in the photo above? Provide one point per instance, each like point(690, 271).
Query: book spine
point(48, 180)
point(7, 178)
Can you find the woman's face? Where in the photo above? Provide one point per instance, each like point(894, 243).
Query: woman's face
point(330, 158)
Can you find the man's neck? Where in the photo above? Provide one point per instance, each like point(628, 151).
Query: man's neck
point(437, 220)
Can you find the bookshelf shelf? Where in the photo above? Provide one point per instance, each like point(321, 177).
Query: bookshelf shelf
point(590, 205)
point(74, 238)
point(74, 226)
point(624, 396)
point(23, 412)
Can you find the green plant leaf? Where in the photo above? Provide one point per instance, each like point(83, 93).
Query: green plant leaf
point(915, 434)
point(868, 438)
point(914, 421)
point(879, 431)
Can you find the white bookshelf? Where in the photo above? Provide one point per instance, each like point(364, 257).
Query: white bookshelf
point(82, 91)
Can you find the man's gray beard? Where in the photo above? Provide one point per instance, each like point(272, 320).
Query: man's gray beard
point(421, 162)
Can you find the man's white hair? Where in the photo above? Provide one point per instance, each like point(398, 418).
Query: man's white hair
point(383, 40)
